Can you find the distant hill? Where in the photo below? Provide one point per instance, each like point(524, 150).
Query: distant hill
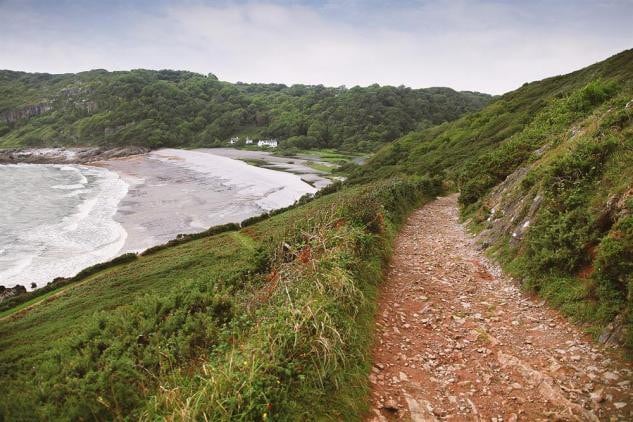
point(177, 108)
point(545, 173)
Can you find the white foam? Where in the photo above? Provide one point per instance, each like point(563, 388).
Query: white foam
point(68, 187)
point(88, 236)
point(76, 170)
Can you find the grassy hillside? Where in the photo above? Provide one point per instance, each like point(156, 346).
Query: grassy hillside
point(273, 320)
point(546, 174)
point(174, 108)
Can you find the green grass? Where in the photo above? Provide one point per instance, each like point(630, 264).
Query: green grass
point(321, 167)
point(255, 162)
point(275, 319)
point(245, 240)
point(23, 305)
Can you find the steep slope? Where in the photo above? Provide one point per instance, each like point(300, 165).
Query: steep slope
point(273, 320)
point(545, 174)
point(175, 108)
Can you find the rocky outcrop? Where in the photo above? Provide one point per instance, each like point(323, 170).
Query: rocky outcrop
point(88, 106)
point(511, 210)
point(66, 155)
point(614, 332)
point(9, 292)
point(27, 112)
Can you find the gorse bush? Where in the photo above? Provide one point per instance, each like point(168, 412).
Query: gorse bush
point(564, 229)
point(591, 95)
point(478, 176)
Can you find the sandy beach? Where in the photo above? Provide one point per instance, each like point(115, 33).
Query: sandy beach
point(175, 191)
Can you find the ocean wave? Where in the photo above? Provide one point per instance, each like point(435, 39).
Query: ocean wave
point(76, 192)
point(68, 187)
point(87, 236)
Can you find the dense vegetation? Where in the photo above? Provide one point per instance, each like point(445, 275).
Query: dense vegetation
point(565, 143)
point(174, 108)
point(273, 320)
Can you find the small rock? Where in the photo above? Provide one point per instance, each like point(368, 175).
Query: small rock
point(597, 396)
point(619, 405)
point(390, 405)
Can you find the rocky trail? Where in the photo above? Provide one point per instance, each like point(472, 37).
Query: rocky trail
point(458, 340)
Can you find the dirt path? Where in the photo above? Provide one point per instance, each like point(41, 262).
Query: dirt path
point(456, 340)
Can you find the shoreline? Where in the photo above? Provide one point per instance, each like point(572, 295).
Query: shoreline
point(300, 166)
point(186, 192)
point(67, 227)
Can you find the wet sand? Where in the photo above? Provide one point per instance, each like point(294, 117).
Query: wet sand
point(299, 166)
point(177, 191)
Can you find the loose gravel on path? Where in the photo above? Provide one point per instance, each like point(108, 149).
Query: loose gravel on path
point(458, 340)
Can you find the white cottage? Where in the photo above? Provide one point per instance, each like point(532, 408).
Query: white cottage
point(234, 140)
point(271, 143)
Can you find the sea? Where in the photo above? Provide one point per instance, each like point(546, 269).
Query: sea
point(56, 220)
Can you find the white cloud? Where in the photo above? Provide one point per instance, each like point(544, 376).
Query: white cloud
point(486, 46)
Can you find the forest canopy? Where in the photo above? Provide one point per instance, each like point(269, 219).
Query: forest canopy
point(169, 108)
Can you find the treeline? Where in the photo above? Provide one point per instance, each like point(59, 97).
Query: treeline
point(177, 108)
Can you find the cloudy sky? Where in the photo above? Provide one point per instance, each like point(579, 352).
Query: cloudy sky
point(484, 45)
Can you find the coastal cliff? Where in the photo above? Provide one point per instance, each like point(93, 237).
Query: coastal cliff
point(12, 116)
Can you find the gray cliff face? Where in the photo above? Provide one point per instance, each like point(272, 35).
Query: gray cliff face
point(511, 211)
point(27, 112)
point(77, 97)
